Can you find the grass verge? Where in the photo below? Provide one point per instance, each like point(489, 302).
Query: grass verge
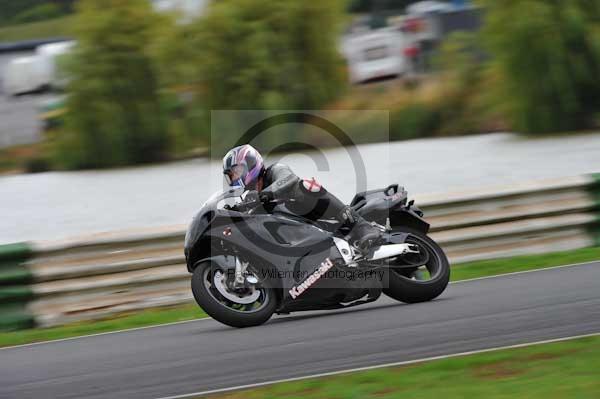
point(567, 369)
point(142, 318)
point(492, 267)
point(190, 312)
point(57, 27)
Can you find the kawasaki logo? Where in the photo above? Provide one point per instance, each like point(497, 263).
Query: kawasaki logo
point(296, 291)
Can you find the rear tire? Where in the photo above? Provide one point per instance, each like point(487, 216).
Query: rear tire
point(224, 314)
point(403, 288)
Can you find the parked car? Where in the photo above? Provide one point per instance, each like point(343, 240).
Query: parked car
point(37, 72)
point(24, 75)
point(50, 55)
point(375, 54)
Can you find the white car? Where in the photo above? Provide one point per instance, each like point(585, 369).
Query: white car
point(375, 54)
point(24, 75)
point(37, 72)
point(49, 57)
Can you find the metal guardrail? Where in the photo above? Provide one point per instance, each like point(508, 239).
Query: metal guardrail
point(95, 277)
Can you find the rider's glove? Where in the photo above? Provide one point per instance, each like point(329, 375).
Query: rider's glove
point(251, 196)
point(266, 196)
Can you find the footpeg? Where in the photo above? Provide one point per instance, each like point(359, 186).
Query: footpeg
point(412, 249)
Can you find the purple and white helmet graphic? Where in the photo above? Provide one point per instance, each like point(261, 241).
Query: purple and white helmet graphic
point(242, 166)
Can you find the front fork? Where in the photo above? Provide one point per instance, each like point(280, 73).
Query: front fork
point(241, 278)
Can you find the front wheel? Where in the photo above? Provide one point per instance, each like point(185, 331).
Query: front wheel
point(250, 306)
point(420, 278)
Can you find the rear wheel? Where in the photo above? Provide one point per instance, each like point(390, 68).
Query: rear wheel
point(248, 306)
point(421, 277)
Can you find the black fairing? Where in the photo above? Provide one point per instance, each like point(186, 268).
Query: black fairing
point(284, 249)
point(378, 205)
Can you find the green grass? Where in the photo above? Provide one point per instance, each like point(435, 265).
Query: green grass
point(492, 267)
point(190, 312)
point(57, 27)
point(138, 319)
point(567, 369)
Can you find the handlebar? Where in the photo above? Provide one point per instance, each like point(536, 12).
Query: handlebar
point(247, 206)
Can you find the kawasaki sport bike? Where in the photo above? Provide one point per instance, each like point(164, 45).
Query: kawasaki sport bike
point(248, 263)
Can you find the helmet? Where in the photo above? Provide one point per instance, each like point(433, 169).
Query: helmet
point(242, 166)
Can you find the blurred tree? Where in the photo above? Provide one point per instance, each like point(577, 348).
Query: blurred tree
point(18, 11)
point(177, 65)
point(114, 115)
point(260, 54)
point(463, 104)
point(548, 52)
point(41, 12)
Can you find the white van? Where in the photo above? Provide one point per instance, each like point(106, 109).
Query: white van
point(49, 54)
point(375, 54)
point(37, 72)
point(24, 75)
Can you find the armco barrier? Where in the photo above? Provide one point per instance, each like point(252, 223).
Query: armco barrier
point(14, 287)
point(107, 274)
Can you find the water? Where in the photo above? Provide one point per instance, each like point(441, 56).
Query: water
point(57, 205)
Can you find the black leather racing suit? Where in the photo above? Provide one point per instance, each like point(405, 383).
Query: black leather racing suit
point(307, 198)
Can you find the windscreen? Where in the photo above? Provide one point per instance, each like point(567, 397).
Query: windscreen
point(219, 196)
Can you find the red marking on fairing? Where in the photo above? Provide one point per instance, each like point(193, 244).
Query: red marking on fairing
point(311, 185)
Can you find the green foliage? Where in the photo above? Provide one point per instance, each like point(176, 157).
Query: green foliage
point(413, 121)
point(260, 54)
point(187, 124)
point(18, 11)
point(177, 63)
point(251, 55)
point(113, 115)
point(467, 102)
point(39, 13)
point(55, 27)
point(37, 165)
point(549, 55)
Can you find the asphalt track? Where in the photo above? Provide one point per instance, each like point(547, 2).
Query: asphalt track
point(205, 355)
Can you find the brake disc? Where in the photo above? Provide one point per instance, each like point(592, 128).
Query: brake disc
point(242, 298)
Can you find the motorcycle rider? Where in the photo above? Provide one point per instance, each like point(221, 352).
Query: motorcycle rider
point(243, 166)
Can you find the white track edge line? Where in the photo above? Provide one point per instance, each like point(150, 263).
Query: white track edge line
point(525, 271)
point(209, 318)
point(394, 364)
point(104, 333)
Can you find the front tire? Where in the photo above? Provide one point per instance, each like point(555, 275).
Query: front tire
point(405, 287)
point(223, 309)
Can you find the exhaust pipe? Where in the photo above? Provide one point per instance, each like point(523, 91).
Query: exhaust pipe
point(387, 251)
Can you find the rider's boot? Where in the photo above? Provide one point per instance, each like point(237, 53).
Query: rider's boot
point(363, 235)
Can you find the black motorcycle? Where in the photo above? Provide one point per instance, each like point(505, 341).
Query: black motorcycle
point(250, 259)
